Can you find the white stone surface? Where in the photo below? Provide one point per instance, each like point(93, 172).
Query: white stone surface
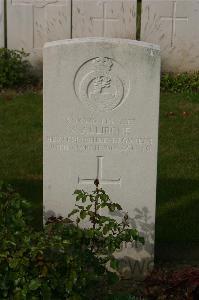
point(1, 23)
point(101, 105)
point(31, 23)
point(108, 18)
point(174, 25)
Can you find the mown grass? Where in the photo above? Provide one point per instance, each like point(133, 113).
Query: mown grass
point(21, 146)
point(178, 159)
point(178, 169)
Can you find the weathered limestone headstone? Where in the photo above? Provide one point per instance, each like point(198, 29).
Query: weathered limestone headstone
point(104, 18)
point(31, 23)
point(174, 26)
point(101, 104)
point(1, 23)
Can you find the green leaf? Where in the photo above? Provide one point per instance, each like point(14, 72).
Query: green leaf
point(112, 207)
point(88, 206)
point(77, 192)
point(105, 230)
point(83, 214)
point(84, 198)
point(79, 197)
point(79, 206)
point(73, 212)
point(34, 284)
point(104, 197)
point(114, 264)
point(118, 206)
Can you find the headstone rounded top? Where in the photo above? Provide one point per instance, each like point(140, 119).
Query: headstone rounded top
point(99, 40)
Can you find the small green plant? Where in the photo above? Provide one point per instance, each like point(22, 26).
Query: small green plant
point(105, 234)
point(54, 263)
point(62, 261)
point(178, 83)
point(15, 70)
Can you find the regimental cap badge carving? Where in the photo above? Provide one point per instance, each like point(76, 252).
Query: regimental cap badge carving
point(102, 64)
point(101, 83)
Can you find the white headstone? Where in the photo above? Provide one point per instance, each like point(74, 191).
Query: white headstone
point(1, 23)
point(31, 23)
point(104, 18)
point(174, 26)
point(101, 104)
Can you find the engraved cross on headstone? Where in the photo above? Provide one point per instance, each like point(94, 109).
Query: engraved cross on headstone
point(99, 175)
point(104, 19)
point(174, 19)
point(40, 26)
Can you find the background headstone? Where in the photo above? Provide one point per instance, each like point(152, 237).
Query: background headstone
point(174, 26)
point(104, 18)
point(1, 23)
point(31, 23)
point(101, 104)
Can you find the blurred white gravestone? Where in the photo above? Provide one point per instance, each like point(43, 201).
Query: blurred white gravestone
point(1, 23)
point(31, 23)
point(104, 18)
point(173, 24)
point(101, 106)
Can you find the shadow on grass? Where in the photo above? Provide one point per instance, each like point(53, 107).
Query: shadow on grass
point(177, 252)
point(177, 225)
point(169, 189)
point(32, 191)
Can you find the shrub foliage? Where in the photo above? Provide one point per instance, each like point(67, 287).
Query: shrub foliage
point(63, 261)
point(15, 70)
point(178, 83)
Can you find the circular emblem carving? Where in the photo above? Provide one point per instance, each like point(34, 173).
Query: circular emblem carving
point(101, 83)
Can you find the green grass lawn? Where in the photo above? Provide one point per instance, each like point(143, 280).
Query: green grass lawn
point(178, 160)
point(178, 169)
point(21, 146)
